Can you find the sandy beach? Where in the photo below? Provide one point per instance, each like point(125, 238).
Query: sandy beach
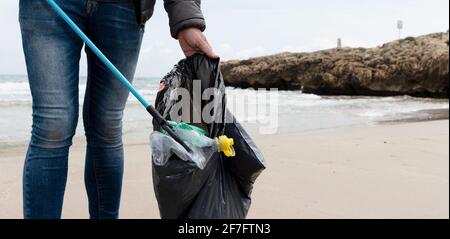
point(385, 171)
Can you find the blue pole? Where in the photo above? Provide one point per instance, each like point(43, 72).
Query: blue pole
point(99, 54)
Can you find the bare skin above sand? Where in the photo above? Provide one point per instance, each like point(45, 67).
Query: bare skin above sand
point(390, 171)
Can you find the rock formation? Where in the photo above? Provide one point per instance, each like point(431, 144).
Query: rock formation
point(411, 66)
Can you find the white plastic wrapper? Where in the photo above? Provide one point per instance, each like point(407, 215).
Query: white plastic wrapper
point(164, 147)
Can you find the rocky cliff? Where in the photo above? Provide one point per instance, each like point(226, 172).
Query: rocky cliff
point(411, 66)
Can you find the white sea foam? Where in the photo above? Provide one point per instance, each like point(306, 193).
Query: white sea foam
point(296, 111)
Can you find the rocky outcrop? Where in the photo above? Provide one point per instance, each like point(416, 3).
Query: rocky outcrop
point(411, 66)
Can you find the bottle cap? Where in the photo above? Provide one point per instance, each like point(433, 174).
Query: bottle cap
point(225, 145)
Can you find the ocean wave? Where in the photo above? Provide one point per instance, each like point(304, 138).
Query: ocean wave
point(14, 88)
point(308, 111)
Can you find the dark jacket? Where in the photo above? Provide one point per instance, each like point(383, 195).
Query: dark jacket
point(182, 14)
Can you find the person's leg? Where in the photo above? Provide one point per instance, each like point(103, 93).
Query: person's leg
point(113, 27)
point(52, 54)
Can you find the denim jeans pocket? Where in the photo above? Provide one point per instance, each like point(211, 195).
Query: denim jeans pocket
point(41, 10)
point(35, 9)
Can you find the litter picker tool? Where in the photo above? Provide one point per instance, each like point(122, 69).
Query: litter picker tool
point(153, 112)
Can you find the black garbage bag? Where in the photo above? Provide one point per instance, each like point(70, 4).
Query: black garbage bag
point(223, 188)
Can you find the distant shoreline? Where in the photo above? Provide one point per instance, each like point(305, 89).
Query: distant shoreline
point(422, 116)
point(297, 112)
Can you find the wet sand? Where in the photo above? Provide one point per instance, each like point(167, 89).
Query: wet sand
point(387, 171)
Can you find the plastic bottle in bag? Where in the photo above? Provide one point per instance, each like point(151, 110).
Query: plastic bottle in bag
point(202, 147)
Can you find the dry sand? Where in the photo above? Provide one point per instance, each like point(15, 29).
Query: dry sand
point(389, 171)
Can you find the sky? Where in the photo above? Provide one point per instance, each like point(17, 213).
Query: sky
point(239, 29)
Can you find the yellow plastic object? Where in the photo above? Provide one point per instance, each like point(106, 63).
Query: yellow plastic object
point(225, 145)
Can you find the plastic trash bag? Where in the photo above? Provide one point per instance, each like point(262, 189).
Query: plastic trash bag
point(202, 187)
point(164, 146)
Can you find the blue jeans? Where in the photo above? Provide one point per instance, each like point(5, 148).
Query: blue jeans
point(52, 53)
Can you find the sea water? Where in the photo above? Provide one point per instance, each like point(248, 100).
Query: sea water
point(296, 112)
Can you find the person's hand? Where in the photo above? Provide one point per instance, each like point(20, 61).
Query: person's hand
point(193, 41)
